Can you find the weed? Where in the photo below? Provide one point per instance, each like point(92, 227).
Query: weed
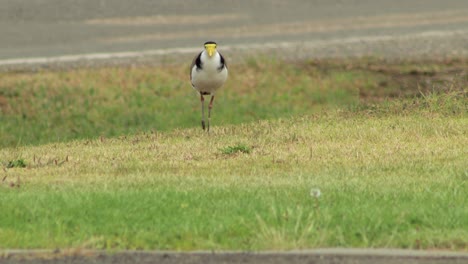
point(230, 150)
point(19, 163)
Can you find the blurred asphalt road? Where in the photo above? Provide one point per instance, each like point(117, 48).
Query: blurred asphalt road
point(317, 256)
point(47, 31)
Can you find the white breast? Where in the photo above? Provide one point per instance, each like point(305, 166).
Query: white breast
point(209, 78)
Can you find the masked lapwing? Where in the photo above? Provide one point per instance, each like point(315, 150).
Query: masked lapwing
point(208, 73)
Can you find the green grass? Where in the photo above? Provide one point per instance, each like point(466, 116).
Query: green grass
point(229, 150)
point(390, 175)
point(44, 107)
point(19, 163)
point(106, 158)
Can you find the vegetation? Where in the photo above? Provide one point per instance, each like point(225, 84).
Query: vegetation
point(44, 107)
point(234, 149)
point(358, 171)
point(19, 163)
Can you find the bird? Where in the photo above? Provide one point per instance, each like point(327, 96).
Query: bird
point(208, 73)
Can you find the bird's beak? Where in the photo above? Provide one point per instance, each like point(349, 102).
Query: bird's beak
point(210, 48)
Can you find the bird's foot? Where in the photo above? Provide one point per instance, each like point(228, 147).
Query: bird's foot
point(203, 124)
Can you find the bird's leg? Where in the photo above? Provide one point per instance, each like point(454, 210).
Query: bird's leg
point(202, 99)
point(209, 111)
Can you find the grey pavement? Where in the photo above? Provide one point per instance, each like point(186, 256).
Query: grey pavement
point(319, 256)
point(42, 32)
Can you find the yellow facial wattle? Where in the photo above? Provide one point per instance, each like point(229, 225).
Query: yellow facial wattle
point(210, 49)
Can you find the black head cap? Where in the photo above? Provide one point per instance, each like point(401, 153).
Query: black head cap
point(210, 42)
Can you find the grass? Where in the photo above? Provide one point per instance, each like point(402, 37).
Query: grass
point(19, 163)
point(385, 180)
point(364, 172)
point(235, 149)
point(45, 107)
